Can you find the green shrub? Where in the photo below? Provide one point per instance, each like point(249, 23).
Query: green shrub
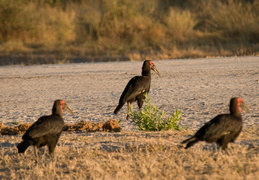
point(152, 119)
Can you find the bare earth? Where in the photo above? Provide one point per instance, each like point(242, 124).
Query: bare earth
point(199, 88)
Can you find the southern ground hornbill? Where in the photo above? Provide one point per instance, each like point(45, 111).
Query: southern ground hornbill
point(46, 130)
point(222, 129)
point(137, 87)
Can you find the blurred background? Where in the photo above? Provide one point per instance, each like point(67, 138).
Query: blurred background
point(65, 31)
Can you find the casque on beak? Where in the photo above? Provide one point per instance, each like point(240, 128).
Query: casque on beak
point(155, 70)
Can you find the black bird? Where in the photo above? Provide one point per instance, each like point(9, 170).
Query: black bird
point(137, 87)
point(46, 130)
point(222, 129)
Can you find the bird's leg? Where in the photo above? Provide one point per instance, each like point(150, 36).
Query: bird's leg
point(35, 150)
point(223, 146)
point(129, 110)
point(226, 149)
point(52, 156)
point(140, 104)
point(51, 146)
point(223, 143)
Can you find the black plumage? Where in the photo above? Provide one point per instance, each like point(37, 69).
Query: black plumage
point(222, 129)
point(46, 130)
point(137, 87)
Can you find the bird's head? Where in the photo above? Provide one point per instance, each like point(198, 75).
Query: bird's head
point(61, 106)
point(153, 67)
point(238, 104)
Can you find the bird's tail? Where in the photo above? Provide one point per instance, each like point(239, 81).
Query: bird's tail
point(190, 142)
point(23, 146)
point(118, 108)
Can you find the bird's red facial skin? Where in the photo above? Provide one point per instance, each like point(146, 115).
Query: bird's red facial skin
point(62, 103)
point(151, 64)
point(239, 102)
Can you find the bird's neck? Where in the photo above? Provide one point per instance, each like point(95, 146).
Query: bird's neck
point(146, 72)
point(57, 112)
point(236, 112)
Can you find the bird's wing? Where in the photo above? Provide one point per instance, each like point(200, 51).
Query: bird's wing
point(220, 125)
point(45, 125)
point(135, 86)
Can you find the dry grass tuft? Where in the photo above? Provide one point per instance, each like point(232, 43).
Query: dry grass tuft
point(20, 129)
point(24, 127)
point(111, 125)
point(10, 131)
point(2, 126)
point(80, 126)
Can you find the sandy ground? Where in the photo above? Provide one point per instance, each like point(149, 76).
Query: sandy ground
point(199, 88)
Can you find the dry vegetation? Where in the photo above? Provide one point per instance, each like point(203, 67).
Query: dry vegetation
point(62, 31)
point(111, 125)
point(132, 155)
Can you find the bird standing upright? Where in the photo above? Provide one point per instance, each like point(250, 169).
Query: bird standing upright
point(46, 130)
point(137, 87)
point(222, 129)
